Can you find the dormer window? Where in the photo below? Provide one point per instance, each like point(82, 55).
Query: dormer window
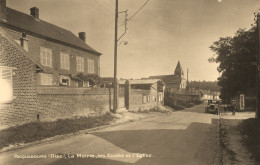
point(46, 57)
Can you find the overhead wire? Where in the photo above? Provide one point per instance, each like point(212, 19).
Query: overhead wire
point(138, 10)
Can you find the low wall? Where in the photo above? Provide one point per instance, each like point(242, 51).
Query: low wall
point(62, 102)
point(173, 99)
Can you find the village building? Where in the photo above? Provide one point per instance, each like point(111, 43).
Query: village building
point(141, 94)
point(174, 81)
point(41, 69)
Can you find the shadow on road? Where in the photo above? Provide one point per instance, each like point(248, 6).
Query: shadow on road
point(197, 144)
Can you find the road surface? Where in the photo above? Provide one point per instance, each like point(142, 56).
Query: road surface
point(187, 137)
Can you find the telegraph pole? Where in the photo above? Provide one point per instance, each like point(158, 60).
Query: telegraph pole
point(115, 103)
point(187, 78)
point(257, 68)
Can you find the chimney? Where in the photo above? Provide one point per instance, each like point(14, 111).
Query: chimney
point(82, 36)
point(24, 41)
point(3, 9)
point(35, 12)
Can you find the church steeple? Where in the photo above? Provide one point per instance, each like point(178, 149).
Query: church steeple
point(178, 70)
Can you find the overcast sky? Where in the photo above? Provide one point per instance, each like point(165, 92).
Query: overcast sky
point(162, 33)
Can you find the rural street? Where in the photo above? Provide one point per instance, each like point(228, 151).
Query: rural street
point(187, 137)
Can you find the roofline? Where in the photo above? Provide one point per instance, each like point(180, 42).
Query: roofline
point(20, 48)
point(49, 38)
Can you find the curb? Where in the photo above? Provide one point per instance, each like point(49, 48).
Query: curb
point(66, 136)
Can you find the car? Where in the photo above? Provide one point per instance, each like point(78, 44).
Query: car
point(212, 106)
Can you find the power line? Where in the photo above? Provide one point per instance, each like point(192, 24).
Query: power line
point(138, 10)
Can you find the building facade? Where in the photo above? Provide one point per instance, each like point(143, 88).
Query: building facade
point(40, 62)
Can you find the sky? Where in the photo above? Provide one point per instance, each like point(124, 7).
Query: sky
point(161, 34)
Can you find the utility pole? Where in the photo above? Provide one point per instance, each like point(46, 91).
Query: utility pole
point(115, 103)
point(187, 86)
point(257, 68)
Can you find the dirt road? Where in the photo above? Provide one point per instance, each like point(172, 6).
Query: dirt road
point(187, 137)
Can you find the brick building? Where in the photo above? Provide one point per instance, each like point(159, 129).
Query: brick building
point(142, 94)
point(38, 65)
point(173, 81)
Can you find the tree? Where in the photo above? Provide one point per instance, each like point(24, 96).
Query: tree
point(205, 85)
point(236, 57)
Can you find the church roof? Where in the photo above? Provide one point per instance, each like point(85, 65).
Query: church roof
point(172, 78)
point(140, 81)
point(178, 68)
point(167, 78)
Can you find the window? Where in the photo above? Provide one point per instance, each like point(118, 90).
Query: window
point(90, 66)
point(160, 97)
point(148, 99)
point(64, 80)
point(64, 61)
point(46, 57)
point(80, 64)
point(46, 79)
point(144, 99)
point(6, 84)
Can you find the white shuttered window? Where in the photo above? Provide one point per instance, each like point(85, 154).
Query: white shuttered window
point(46, 57)
point(6, 84)
point(91, 66)
point(80, 64)
point(64, 61)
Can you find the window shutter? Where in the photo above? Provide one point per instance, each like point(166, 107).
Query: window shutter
point(6, 88)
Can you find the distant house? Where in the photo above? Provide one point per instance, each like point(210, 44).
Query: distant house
point(173, 81)
point(38, 57)
point(208, 95)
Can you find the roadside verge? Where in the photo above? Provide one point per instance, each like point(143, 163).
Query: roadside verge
point(108, 120)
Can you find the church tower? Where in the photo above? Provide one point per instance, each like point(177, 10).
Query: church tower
point(178, 71)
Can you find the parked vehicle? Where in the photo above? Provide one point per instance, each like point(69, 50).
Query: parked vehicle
point(212, 106)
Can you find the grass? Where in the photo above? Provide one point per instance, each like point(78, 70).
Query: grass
point(250, 130)
point(39, 130)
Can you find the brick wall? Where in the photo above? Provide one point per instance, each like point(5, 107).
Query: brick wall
point(138, 99)
point(62, 102)
point(22, 108)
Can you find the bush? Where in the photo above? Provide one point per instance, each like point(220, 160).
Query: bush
point(251, 136)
